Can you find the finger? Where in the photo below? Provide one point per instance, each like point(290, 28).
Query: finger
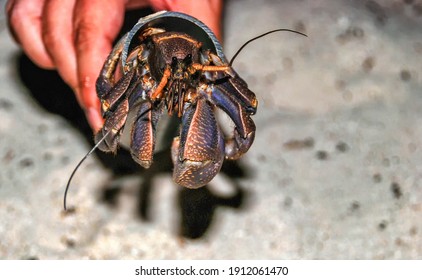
point(96, 26)
point(24, 20)
point(133, 4)
point(57, 34)
point(207, 11)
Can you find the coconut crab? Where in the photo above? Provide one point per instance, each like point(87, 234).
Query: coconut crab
point(172, 62)
point(174, 72)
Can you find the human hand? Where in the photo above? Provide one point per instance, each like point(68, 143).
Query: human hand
point(75, 36)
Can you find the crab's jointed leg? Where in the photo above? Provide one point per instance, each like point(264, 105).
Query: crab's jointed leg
point(143, 133)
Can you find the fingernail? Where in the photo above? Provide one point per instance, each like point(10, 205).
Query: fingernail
point(94, 118)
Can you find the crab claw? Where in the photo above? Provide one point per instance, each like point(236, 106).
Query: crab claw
point(199, 151)
point(239, 103)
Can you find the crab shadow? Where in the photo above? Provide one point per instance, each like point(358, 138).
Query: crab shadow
point(197, 207)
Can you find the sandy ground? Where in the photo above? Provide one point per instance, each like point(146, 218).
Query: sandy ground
point(335, 171)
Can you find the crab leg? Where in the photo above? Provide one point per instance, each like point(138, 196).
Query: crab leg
point(239, 104)
point(159, 90)
point(200, 67)
point(105, 80)
point(114, 123)
point(110, 100)
point(143, 133)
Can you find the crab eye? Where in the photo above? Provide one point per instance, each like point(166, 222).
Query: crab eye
point(173, 61)
point(188, 59)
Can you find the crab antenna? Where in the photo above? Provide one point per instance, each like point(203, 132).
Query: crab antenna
point(260, 36)
point(79, 164)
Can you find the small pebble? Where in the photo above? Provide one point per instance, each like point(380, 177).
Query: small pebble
point(405, 75)
point(382, 225)
point(342, 147)
point(377, 178)
point(26, 162)
point(322, 155)
point(395, 188)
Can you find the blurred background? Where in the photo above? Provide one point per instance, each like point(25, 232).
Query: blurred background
point(335, 171)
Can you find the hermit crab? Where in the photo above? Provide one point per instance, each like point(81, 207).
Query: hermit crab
point(171, 63)
point(173, 72)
